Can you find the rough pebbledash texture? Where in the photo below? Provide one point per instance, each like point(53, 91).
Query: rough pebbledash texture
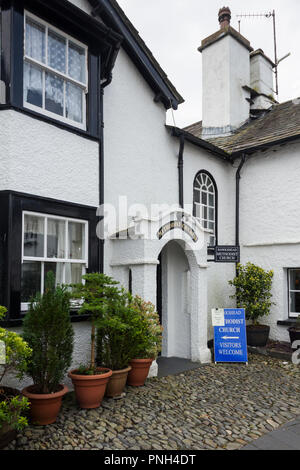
point(41, 159)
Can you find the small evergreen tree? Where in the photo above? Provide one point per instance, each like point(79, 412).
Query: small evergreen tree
point(116, 332)
point(147, 333)
point(48, 331)
point(253, 291)
point(98, 293)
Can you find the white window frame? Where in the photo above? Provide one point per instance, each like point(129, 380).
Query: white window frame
point(207, 206)
point(45, 68)
point(45, 259)
point(291, 314)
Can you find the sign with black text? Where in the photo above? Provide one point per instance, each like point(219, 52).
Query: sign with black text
point(230, 338)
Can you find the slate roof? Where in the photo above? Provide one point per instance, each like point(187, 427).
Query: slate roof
point(278, 125)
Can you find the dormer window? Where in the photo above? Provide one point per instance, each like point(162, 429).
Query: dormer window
point(55, 73)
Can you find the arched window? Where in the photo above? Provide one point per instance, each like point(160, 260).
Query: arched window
point(205, 203)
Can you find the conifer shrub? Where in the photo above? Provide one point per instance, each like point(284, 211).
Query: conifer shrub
point(48, 331)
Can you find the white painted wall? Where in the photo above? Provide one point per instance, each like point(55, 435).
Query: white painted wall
point(140, 156)
point(225, 69)
point(41, 159)
point(261, 75)
point(141, 162)
point(270, 216)
point(196, 159)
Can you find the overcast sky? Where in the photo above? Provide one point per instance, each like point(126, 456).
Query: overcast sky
point(174, 29)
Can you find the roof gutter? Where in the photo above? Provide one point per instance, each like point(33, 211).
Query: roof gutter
point(260, 148)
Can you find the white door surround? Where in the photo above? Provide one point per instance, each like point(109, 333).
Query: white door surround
point(139, 253)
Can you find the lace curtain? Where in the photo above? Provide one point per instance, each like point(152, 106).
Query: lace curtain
point(35, 40)
point(61, 97)
point(33, 236)
point(56, 230)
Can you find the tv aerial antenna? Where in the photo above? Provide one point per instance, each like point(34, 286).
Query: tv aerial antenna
point(270, 14)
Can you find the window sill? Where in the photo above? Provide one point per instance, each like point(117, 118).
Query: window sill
point(12, 323)
point(287, 322)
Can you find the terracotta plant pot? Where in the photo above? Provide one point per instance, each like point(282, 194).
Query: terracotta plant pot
point(44, 408)
point(257, 335)
point(90, 389)
point(139, 372)
point(117, 382)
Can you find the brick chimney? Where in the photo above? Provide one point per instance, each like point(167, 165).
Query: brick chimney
point(226, 79)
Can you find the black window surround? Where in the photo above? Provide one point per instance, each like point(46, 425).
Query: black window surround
point(210, 249)
point(12, 206)
point(71, 20)
point(292, 290)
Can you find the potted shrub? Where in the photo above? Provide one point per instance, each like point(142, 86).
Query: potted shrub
point(96, 293)
point(115, 335)
point(14, 355)
point(253, 292)
point(146, 342)
point(48, 331)
point(294, 332)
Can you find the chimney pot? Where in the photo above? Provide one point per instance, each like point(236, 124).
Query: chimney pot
point(224, 17)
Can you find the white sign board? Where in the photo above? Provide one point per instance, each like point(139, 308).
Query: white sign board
point(218, 317)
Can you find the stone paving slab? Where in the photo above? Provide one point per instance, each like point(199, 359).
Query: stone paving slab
point(174, 365)
point(214, 407)
point(285, 438)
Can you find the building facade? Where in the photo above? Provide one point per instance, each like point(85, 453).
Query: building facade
point(82, 123)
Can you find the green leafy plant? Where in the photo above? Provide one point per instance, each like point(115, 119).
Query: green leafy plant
point(16, 351)
point(147, 332)
point(48, 331)
point(253, 291)
point(11, 410)
point(83, 369)
point(98, 293)
point(16, 354)
point(116, 332)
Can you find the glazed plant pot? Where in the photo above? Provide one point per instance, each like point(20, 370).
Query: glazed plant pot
point(90, 389)
point(139, 372)
point(117, 382)
point(294, 333)
point(44, 408)
point(257, 335)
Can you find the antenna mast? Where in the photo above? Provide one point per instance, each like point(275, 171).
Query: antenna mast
point(270, 14)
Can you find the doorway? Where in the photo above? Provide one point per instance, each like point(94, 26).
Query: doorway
point(173, 301)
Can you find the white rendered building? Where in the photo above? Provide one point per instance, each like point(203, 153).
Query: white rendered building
point(82, 123)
